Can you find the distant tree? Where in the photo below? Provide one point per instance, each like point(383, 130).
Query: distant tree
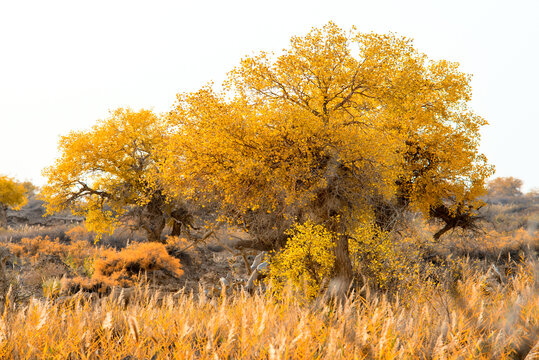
point(339, 128)
point(533, 192)
point(12, 195)
point(108, 175)
point(504, 186)
point(31, 189)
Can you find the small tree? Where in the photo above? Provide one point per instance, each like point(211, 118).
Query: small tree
point(12, 195)
point(108, 174)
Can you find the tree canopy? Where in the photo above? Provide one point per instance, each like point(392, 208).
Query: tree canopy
point(108, 174)
point(340, 129)
point(505, 186)
point(337, 127)
point(12, 195)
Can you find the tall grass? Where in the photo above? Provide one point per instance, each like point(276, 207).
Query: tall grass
point(480, 317)
point(66, 233)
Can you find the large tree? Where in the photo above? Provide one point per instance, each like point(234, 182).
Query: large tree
point(108, 174)
point(12, 195)
point(336, 129)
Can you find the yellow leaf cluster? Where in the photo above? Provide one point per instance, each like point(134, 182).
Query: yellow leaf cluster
point(108, 172)
point(306, 261)
point(12, 193)
point(337, 121)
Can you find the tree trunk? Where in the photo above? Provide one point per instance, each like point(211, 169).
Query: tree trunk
point(3, 216)
point(154, 230)
point(176, 228)
point(343, 264)
point(153, 218)
point(442, 231)
point(181, 218)
point(343, 271)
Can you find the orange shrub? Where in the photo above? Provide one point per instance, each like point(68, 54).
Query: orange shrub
point(123, 267)
point(34, 248)
point(79, 233)
point(38, 246)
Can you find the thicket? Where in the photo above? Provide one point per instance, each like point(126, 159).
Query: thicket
point(67, 267)
point(125, 267)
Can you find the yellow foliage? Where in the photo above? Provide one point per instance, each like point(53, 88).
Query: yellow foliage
point(335, 124)
point(123, 267)
point(107, 174)
point(12, 195)
point(306, 260)
point(375, 256)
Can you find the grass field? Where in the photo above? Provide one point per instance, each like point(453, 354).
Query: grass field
point(482, 317)
point(481, 301)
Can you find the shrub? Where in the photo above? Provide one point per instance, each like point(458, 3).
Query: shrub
point(124, 267)
point(375, 256)
point(308, 259)
point(35, 247)
point(74, 255)
point(305, 261)
point(80, 233)
point(51, 287)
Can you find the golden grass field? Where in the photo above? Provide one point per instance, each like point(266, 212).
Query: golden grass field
point(482, 315)
point(67, 298)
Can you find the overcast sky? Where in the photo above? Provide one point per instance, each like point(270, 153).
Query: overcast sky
point(64, 64)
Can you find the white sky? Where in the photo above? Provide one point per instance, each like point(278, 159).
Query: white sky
point(64, 64)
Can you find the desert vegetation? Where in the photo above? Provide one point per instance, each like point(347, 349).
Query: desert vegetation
point(473, 303)
point(328, 202)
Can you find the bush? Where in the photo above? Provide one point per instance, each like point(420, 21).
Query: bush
point(375, 256)
point(124, 267)
point(80, 233)
point(75, 254)
point(306, 260)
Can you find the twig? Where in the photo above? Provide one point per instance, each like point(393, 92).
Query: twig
point(204, 237)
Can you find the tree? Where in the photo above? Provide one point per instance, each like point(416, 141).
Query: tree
point(333, 130)
point(108, 174)
point(12, 195)
point(505, 186)
point(533, 192)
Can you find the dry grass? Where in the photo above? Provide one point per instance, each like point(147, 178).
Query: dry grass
point(67, 233)
point(482, 317)
point(16, 234)
point(480, 307)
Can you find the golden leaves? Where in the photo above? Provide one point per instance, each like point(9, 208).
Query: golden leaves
point(362, 110)
point(105, 171)
point(12, 193)
point(336, 121)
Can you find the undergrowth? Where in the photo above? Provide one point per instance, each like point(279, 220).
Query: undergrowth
point(467, 323)
point(123, 267)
